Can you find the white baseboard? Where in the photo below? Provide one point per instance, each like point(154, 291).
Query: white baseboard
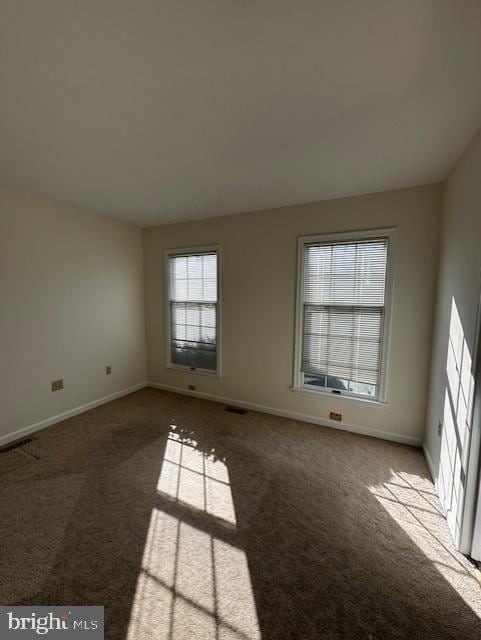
point(25, 431)
point(324, 422)
point(429, 462)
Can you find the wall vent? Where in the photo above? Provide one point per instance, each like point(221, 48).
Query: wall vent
point(15, 445)
point(238, 410)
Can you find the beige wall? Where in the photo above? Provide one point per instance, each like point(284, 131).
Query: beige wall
point(457, 306)
point(71, 302)
point(259, 275)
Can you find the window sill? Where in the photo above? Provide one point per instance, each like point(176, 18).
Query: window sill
point(338, 396)
point(195, 372)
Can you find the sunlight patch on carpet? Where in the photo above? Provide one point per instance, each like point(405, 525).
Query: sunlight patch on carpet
point(192, 585)
point(409, 500)
point(196, 478)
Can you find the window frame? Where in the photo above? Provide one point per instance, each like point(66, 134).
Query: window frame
point(341, 237)
point(189, 251)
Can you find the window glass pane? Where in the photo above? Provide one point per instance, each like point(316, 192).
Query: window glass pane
point(315, 381)
point(345, 273)
point(337, 383)
point(362, 389)
point(193, 310)
point(193, 278)
point(179, 267)
point(183, 355)
point(343, 315)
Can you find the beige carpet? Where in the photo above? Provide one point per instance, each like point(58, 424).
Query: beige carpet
point(187, 522)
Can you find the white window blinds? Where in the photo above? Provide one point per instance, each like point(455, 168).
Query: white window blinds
point(193, 310)
point(343, 312)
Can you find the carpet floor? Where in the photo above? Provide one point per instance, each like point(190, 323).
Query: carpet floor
point(188, 522)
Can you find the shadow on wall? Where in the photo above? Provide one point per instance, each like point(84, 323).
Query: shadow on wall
point(457, 420)
point(192, 523)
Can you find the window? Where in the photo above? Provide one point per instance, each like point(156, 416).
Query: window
point(193, 310)
point(342, 314)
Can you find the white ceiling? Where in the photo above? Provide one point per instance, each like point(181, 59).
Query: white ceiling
point(162, 110)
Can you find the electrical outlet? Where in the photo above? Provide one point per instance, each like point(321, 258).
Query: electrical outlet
point(440, 428)
point(108, 370)
point(57, 385)
point(191, 387)
point(335, 416)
